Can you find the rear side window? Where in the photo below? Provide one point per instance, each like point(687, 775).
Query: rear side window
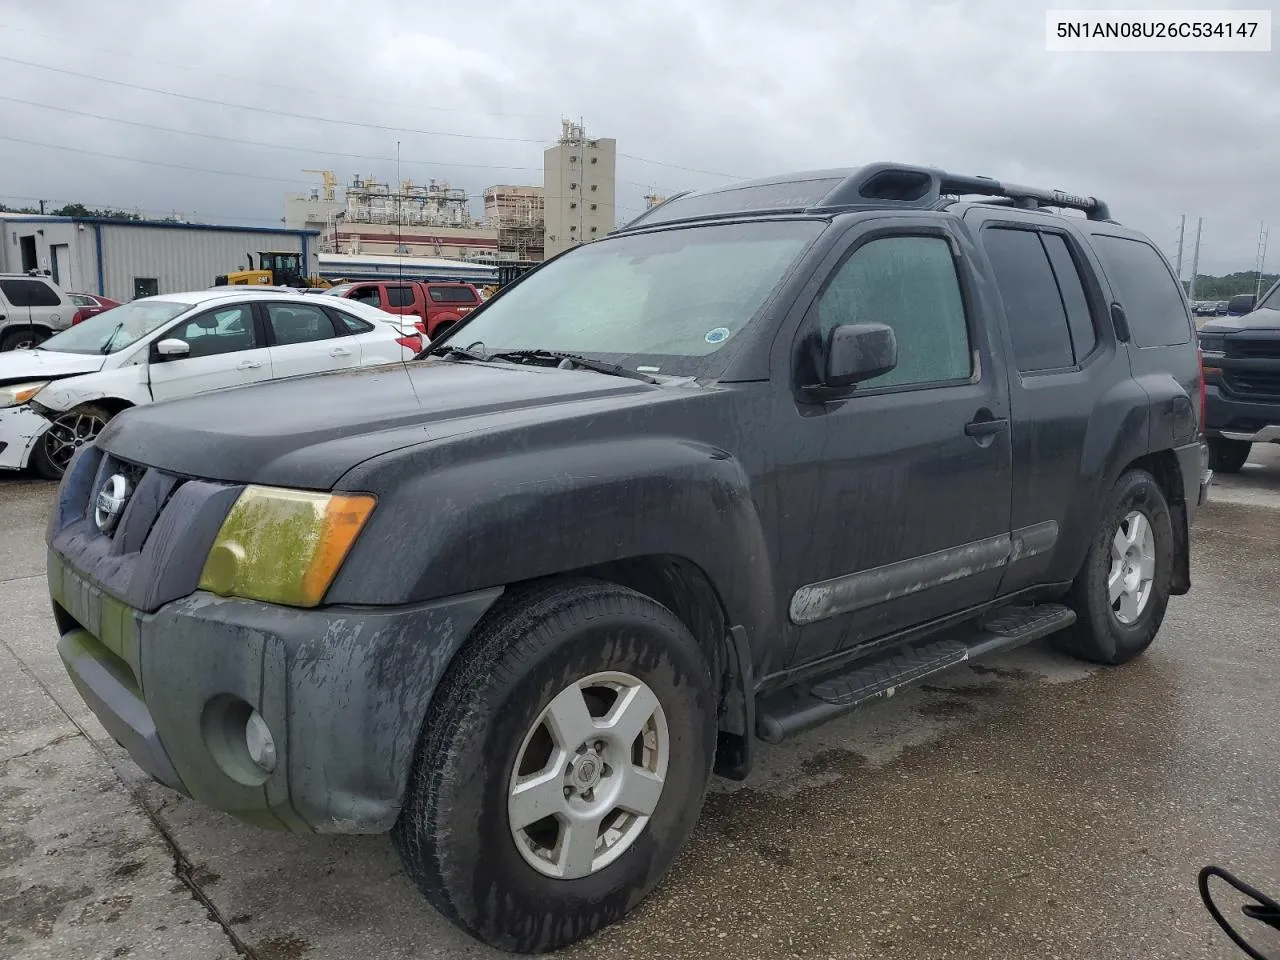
point(910, 284)
point(452, 295)
point(29, 293)
point(1032, 304)
point(294, 323)
point(1151, 297)
point(399, 296)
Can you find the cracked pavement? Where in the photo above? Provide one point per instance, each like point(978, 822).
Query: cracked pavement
point(1023, 806)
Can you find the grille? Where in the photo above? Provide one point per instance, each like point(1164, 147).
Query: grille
point(1255, 383)
point(1260, 348)
point(151, 491)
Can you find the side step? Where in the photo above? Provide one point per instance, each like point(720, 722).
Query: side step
point(790, 712)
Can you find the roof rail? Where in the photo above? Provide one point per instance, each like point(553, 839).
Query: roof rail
point(927, 187)
point(657, 206)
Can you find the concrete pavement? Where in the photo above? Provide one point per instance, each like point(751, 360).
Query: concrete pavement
point(1027, 806)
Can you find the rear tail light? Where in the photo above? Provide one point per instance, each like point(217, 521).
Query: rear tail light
point(413, 342)
point(81, 314)
point(1200, 358)
point(422, 327)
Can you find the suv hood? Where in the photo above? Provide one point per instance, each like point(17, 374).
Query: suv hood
point(1263, 319)
point(19, 365)
point(308, 431)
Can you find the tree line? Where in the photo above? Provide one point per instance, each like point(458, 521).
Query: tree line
point(1225, 287)
point(76, 210)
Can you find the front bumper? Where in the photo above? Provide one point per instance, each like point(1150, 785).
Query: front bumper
point(20, 430)
point(1226, 416)
point(342, 690)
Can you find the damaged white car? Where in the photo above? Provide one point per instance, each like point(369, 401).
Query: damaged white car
point(57, 397)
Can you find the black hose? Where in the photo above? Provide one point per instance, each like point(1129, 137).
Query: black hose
point(1264, 909)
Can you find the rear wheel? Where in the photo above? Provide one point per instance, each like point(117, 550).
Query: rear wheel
point(1228, 456)
point(1121, 591)
point(68, 433)
point(561, 766)
point(23, 338)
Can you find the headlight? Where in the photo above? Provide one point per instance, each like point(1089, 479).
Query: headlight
point(284, 546)
point(19, 393)
point(1212, 345)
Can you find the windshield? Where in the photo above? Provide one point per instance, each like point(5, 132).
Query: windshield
point(668, 302)
point(118, 327)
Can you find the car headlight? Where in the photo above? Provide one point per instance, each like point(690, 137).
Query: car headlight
point(284, 546)
point(17, 394)
point(1213, 346)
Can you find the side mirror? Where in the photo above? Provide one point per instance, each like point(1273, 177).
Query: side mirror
point(857, 352)
point(172, 348)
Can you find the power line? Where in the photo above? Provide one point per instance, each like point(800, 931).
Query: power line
point(342, 122)
point(267, 110)
point(256, 143)
point(65, 41)
point(154, 163)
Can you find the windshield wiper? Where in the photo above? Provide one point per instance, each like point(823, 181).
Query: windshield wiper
point(445, 350)
point(573, 360)
point(106, 347)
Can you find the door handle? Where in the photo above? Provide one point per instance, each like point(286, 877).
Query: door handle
point(986, 428)
point(339, 352)
point(249, 365)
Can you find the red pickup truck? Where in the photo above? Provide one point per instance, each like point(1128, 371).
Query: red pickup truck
point(437, 305)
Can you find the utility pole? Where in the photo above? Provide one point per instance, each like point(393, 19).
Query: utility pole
point(1195, 261)
point(42, 208)
point(1263, 233)
point(1182, 231)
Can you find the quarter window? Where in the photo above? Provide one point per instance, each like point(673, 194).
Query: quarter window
point(1152, 299)
point(910, 284)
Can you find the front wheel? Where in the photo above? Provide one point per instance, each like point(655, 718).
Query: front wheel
point(67, 434)
point(1228, 456)
point(1122, 590)
point(22, 338)
point(561, 765)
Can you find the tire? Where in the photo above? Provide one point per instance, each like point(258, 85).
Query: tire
point(1101, 633)
point(1228, 456)
point(22, 337)
point(72, 430)
point(455, 834)
point(442, 330)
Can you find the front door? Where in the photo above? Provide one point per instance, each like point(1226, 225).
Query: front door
point(226, 350)
point(899, 494)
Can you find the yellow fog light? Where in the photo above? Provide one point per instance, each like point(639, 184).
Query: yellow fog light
point(284, 546)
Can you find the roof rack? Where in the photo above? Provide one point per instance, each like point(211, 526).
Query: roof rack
point(876, 185)
point(928, 187)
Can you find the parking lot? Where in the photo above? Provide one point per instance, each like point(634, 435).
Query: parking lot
point(1026, 806)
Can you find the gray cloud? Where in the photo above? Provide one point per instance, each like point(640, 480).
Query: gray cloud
point(742, 88)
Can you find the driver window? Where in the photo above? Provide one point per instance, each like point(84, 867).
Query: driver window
point(225, 330)
point(909, 284)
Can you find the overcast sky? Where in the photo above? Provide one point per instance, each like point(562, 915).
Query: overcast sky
point(726, 87)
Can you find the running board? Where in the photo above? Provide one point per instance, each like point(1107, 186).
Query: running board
point(790, 712)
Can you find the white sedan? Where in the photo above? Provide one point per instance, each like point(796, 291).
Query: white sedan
point(58, 397)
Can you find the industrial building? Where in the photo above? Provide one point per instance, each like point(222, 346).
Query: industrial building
point(579, 188)
point(518, 213)
point(124, 259)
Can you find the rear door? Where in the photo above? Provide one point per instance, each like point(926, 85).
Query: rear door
point(305, 339)
point(227, 350)
point(403, 299)
point(1071, 394)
